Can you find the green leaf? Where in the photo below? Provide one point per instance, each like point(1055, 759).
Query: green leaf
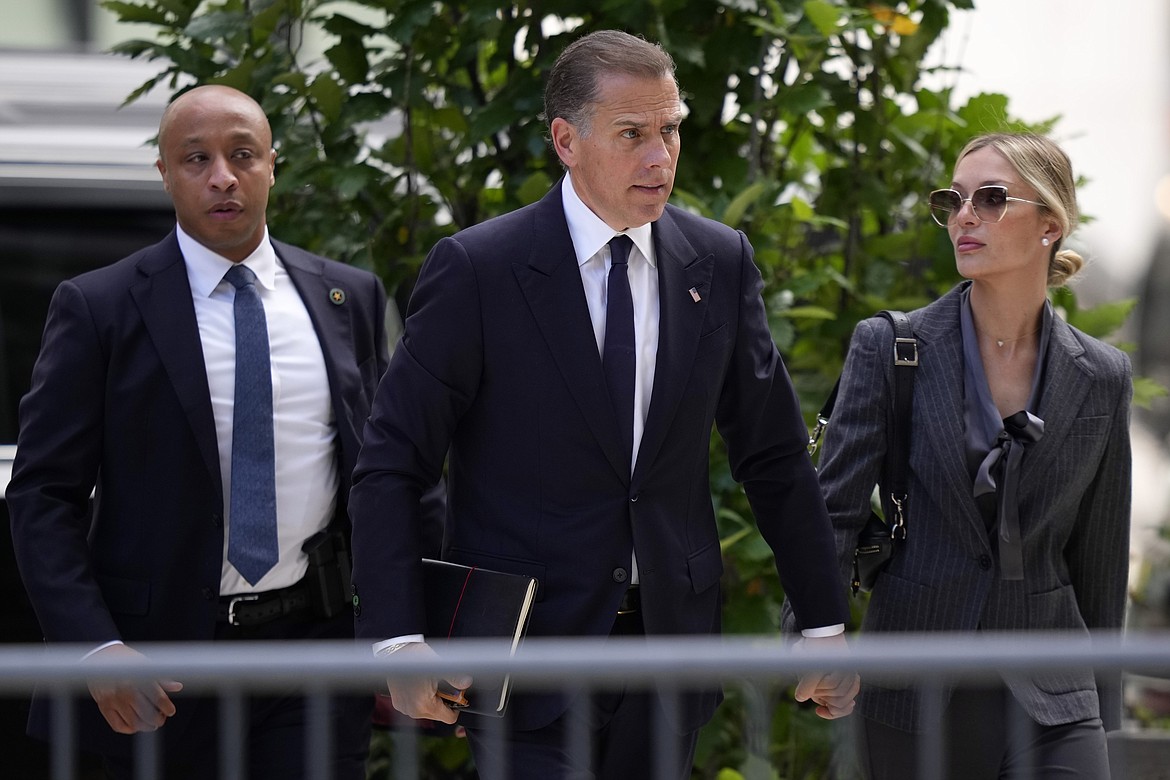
point(810, 313)
point(1102, 320)
point(728, 774)
point(824, 16)
point(1146, 391)
point(346, 27)
point(349, 58)
point(534, 187)
point(801, 209)
point(217, 26)
point(240, 76)
point(135, 48)
point(351, 180)
point(803, 98)
point(265, 23)
point(182, 8)
point(986, 112)
point(145, 87)
point(327, 96)
point(735, 210)
point(132, 13)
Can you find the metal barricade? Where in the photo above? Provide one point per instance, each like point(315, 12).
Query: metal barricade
point(675, 664)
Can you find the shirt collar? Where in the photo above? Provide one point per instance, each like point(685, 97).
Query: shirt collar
point(205, 268)
point(590, 233)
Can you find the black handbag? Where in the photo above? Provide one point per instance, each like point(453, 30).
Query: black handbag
point(878, 541)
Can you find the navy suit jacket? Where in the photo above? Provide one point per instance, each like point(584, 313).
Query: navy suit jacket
point(1074, 499)
point(120, 407)
point(499, 367)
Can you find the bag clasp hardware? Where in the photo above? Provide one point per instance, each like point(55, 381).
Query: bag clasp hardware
point(898, 527)
point(905, 352)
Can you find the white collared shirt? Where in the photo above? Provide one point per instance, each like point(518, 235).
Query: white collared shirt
point(304, 428)
point(591, 243)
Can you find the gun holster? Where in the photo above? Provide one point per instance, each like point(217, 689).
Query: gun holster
point(328, 577)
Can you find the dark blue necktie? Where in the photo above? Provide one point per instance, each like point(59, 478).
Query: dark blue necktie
point(618, 355)
point(252, 545)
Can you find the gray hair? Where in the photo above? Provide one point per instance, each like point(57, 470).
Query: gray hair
point(573, 82)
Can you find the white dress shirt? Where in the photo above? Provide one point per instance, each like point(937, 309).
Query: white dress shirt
point(304, 428)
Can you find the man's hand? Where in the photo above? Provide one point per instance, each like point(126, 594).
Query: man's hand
point(131, 707)
point(417, 697)
point(833, 692)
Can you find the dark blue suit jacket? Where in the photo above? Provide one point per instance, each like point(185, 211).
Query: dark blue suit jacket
point(499, 367)
point(120, 407)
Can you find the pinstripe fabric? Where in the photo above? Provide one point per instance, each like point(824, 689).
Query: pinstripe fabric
point(1074, 506)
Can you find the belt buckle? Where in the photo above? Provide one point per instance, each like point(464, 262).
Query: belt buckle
point(237, 600)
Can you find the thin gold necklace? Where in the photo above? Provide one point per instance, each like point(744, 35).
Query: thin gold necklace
point(1001, 342)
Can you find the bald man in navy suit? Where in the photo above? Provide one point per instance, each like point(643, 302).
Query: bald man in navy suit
point(132, 400)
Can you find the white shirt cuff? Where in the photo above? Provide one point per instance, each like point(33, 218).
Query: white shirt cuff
point(111, 643)
point(817, 633)
point(398, 640)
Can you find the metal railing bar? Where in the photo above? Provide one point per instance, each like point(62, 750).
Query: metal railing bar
point(231, 734)
point(146, 754)
point(547, 663)
point(932, 750)
point(63, 759)
point(318, 739)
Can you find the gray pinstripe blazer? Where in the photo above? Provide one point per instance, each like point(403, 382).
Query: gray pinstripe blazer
point(1074, 493)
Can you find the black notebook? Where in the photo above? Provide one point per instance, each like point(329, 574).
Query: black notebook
point(468, 602)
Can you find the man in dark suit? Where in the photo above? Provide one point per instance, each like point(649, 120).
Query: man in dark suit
point(575, 394)
point(216, 429)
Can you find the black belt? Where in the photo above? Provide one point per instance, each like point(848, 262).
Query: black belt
point(631, 601)
point(253, 609)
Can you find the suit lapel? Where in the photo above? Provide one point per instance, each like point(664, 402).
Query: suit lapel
point(679, 328)
point(163, 297)
point(939, 416)
point(1065, 384)
point(550, 279)
point(325, 299)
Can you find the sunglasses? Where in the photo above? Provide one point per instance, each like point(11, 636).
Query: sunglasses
point(988, 202)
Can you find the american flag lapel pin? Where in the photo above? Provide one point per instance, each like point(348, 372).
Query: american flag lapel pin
point(695, 295)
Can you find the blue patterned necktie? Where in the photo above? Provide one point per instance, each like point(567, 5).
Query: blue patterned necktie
point(618, 354)
point(252, 545)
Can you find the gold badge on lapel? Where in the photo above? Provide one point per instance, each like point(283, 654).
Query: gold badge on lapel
point(337, 295)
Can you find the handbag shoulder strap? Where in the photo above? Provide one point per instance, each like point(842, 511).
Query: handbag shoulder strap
point(905, 357)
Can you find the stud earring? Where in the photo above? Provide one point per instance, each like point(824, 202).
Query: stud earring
point(1044, 241)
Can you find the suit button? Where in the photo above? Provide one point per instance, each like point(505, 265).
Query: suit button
point(634, 499)
point(620, 574)
point(217, 519)
point(985, 562)
point(208, 594)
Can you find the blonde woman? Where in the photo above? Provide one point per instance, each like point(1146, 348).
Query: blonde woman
point(1019, 491)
